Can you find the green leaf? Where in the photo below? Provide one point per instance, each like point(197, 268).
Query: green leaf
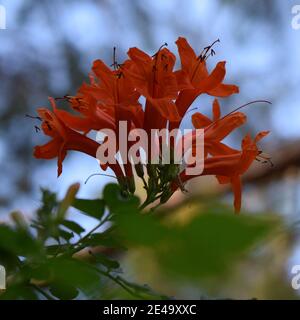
point(65, 235)
point(92, 208)
point(118, 202)
point(72, 272)
point(73, 226)
point(19, 292)
point(144, 290)
point(38, 272)
point(18, 242)
point(63, 291)
point(140, 229)
point(105, 261)
point(57, 248)
point(49, 203)
point(208, 246)
point(106, 239)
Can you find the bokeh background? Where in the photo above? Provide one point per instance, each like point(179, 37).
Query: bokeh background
point(48, 49)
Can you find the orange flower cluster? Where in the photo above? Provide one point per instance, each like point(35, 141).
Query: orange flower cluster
point(113, 95)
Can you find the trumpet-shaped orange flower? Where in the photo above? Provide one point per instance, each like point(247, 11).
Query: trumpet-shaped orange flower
point(115, 91)
point(63, 138)
point(217, 129)
point(155, 79)
point(230, 167)
point(92, 114)
point(113, 95)
point(194, 70)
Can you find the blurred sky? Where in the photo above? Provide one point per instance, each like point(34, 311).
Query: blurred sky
point(48, 49)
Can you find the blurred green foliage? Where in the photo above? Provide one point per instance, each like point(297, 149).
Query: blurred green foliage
point(56, 258)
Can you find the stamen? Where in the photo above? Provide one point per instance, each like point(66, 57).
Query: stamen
point(157, 52)
point(212, 53)
point(99, 174)
point(120, 74)
point(194, 109)
point(154, 69)
point(117, 66)
point(264, 158)
point(48, 125)
point(203, 55)
point(114, 56)
point(242, 106)
point(65, 97)
point(115, 63)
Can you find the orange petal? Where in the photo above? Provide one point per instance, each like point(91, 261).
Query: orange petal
point(138, 55)
point(61, 156)
point(237, 190)
point(214, 79)
point(187, 55)
point(261, 135)
point(103, 72)
point(49, 150)
point(216, 148)
point(216, 110)
point(247, 141)
point(223, 127)
point(75, 122)
point(223, 90)
point(183, 80)
point(166, 108)
point(200, 121)
point(184, 100)
point(223, 179)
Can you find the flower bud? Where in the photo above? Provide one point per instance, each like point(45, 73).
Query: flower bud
point(139, 168)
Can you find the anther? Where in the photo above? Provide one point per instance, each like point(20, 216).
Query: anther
point(264, 158)
point(33, 117)
point(156, 53)
point(120, 75)
point(238, 108)
point(115, 64)
point(203, 55)
point(48, 125)
point(65, 97)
